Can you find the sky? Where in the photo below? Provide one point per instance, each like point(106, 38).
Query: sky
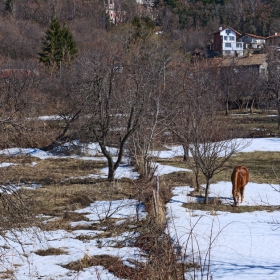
point(243, 245)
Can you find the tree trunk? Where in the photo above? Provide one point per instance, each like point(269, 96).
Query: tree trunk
point(58, 139)
point(186, 153)
point(111, 166)
point(278, 110)
point(197, 186)
point(111, 174)
point(227, 98)
point(252, 106)
point(206, 200)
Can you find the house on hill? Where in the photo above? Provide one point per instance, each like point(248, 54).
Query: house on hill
point(117, 15)
point(114, 12)
point(225, 42)
point(252, 41)
point(273, 41)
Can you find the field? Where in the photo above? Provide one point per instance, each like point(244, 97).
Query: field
point(79, 226)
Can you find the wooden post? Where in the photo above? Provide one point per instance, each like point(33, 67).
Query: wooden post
point(155, 203)
point(157, 188)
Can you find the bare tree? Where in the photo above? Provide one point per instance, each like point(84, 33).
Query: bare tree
point(116, 92)
point(210, 156)
point(163, 71)
point(18, 105)
point(273, 80)
point(200, 127)
point(67, 102)
point(193, 97)
point(212, 139)
point(240, 85)
point(182, 109)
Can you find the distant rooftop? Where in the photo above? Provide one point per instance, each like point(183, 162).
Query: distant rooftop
point(255, 59)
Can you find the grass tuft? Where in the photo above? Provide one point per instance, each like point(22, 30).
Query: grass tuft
point(51, 252)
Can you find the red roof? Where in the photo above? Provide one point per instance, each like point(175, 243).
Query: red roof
point(274, 36)
point(255, 36)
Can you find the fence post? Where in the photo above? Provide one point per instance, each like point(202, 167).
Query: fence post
point(155, 203)
point(157, 188)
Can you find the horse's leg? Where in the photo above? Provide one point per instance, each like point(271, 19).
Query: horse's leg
point(237, 193)
point(242, 193)
point(234, 198)
point(237, 199)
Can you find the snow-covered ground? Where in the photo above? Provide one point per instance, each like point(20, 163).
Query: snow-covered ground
point(243, 245)
point(258, 144)
point(27, 265)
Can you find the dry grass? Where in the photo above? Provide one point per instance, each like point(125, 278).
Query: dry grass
point(160, 264)
point(48, 171)
point(51, 252)
point(113, 264)
point(8, 274)
point(258, 124)
point(59, 197)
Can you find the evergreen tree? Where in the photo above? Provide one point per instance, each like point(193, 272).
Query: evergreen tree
point(9, 6)
point(68, 45)
point(58, 46)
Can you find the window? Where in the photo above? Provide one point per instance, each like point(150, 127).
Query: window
point(239, 45)
point(231, 38)
point(227, 52)
point(228, 31)
point(225, 38)
point(228, 45)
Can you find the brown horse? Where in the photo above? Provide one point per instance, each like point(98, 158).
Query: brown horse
point(239, 179)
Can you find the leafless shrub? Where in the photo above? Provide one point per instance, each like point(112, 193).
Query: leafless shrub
point(14, 207)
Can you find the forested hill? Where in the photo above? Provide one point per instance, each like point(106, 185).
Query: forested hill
point(260, 17)
point(192, 22)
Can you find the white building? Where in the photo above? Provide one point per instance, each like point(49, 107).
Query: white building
point(114, 11)
point(226, 42)
point(252, 41)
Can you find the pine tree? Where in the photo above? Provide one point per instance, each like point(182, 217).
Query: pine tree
point(9, 6)
point(68, 45)
point(58, 46)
